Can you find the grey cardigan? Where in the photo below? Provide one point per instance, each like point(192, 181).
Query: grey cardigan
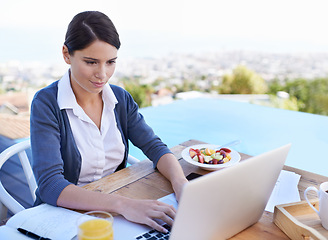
point(56, 158)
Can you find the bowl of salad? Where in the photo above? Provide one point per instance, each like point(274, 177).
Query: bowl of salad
point(210, 157)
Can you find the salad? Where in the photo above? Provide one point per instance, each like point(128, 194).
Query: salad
point(210, 156)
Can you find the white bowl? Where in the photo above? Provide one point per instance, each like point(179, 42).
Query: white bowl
point(235, 157)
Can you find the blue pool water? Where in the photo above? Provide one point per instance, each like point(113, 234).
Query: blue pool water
point(259, 129)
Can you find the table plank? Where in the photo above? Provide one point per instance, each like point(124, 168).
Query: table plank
point(142, 190)
point(121, 178)
point(263, 229)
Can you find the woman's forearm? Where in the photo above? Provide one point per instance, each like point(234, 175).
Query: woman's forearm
point(169, 166)
point(75, 197)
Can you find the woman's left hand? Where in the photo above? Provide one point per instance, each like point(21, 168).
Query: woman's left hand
point(170, 167)
point(178, 186)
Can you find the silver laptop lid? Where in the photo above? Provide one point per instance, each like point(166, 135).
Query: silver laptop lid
point(227, 201)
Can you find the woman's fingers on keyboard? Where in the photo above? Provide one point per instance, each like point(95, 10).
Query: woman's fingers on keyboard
point(148, 211)
point(161, 211)
point(153, 224)
point(165, 213)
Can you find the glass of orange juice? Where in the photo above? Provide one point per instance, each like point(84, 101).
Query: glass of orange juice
point(96, 225)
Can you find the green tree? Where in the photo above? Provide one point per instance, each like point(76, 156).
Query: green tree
point(289, 103)
point(243, 81)
point(311, 95)
point(299, 88)
point(275, 86)
point(321, 106)
point(140, 93)
point(318, 96)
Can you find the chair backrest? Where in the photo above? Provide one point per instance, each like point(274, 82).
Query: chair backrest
point(132, 160)
point(7, 201)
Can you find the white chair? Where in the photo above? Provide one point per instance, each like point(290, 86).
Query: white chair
point(132, 160)
point(6, 200)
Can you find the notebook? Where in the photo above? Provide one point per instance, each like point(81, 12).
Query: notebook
point(221, 203)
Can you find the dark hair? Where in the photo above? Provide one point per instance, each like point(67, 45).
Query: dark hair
point(86, 27)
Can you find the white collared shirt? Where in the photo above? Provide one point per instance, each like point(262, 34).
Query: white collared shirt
point(101, 150)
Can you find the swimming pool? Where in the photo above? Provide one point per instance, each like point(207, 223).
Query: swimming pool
point(259, 129)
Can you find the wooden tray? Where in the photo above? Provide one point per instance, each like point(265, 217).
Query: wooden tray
point(299, 221)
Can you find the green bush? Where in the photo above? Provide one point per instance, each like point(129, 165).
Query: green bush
point(242, 81)
point(311, 95)
point(140, 93)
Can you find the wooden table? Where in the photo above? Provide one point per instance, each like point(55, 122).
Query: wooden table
point(141, 181)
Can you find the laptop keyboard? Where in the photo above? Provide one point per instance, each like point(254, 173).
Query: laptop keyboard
point(155, 235)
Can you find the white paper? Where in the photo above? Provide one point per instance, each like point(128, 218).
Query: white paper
point(285, 190)
point(11, 233)
point(47, 221)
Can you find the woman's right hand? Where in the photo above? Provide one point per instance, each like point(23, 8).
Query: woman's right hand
point(134, 210)
point(146, 211)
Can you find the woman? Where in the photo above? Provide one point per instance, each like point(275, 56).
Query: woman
point(80, 127)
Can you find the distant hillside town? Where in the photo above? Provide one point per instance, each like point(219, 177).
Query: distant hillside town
point(177, 67)
point(19, 81)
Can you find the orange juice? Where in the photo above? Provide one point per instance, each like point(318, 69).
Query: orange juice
point(96, 229)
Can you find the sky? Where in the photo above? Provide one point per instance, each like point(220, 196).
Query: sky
point(35, 29)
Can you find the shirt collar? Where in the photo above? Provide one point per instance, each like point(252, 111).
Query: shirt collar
point(109, 97)
point(66, 98)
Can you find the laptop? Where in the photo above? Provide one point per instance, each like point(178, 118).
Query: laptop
point(220, 203)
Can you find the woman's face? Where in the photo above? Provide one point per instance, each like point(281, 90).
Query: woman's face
point(91, 67)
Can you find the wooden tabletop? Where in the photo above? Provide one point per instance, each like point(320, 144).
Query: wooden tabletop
point(141, 181)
